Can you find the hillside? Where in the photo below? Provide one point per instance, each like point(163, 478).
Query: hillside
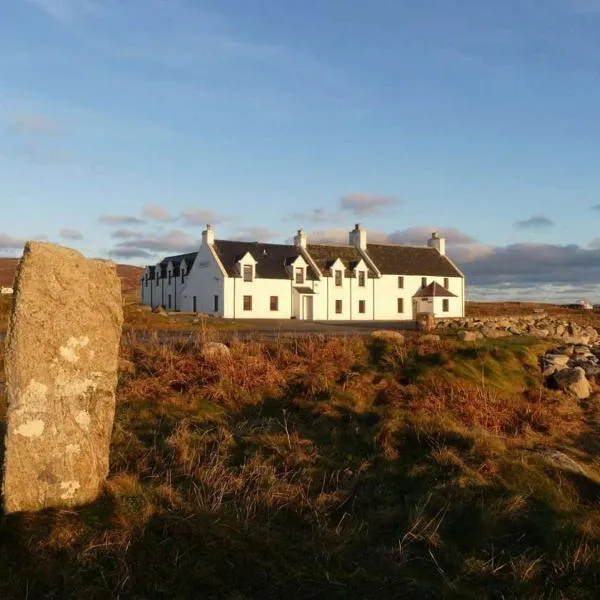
point(329, 468)
point(130, 276)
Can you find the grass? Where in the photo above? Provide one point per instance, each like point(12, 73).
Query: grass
point(328, 468)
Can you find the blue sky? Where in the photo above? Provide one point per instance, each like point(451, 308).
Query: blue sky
point(127, 124)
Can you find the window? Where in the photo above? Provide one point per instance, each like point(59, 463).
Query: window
point(446, 282)
point(274, 302)
point(146, 282)
point(401, 283)
point(423, 281)
point(400, 305)
point(361, 306)
point(361, 279)
point(170, 275)
point(195, 303)
point(182, 275)
point(338, 279)
point(445, 305)
point(299, 275)
point(247, 302)
point(169, 301)
point(216, 304)
point(157, 278)
point(247, 272)
point(338, 307)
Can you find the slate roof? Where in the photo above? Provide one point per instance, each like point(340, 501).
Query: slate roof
point(411, 260)
point(434, 290)
point(189, 258)
point(271, 259)
point(325, 255)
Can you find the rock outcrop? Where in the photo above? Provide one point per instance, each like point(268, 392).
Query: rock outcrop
point(61, 373)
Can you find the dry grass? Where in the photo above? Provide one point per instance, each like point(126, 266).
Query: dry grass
point(327, 468)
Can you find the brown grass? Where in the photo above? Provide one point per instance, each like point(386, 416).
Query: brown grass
point(327, 468)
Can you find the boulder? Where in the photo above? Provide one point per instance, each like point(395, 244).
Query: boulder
point(61, 373)
point(215, 350)
point(573, 381)
point(430, 338)
point(540, 333)
point(491, 333)
point(387, 335)
point(469, 336)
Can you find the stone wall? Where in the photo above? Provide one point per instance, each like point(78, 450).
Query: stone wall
point(538, 325)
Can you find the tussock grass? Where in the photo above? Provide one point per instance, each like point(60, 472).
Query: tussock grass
point(328, 468)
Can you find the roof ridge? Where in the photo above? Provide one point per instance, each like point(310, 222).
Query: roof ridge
point(399, 246)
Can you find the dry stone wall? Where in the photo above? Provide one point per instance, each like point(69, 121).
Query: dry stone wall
point(61, 373)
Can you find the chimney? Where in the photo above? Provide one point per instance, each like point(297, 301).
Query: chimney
point(358, 237)
point(208, 236)
point(300, 239)
point(437, 242)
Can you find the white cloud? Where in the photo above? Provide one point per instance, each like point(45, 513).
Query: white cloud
point(155, 213)
point(201, 216)
point(70, 234)
point(256, 234)
point(175, 241)
point(33, 124)
point(8, 242)
point(362, 204)
point(119, 220)
point(316, 216)
point(125, 234)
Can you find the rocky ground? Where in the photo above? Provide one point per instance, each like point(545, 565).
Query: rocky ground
point(572, 366)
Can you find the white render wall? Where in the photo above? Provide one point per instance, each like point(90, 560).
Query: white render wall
point(207, 280)
point(204, 281)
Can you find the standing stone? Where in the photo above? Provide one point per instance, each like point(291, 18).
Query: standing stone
point(61, 373)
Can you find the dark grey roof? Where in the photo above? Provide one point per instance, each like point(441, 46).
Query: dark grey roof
point(189, 258)
point(411, 260)
point(271, 259)
point(325, 255)
point(434, 290)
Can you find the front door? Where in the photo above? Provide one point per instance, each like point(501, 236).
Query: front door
point(307, 313)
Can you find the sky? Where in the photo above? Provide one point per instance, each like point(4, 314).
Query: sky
point(127, 125)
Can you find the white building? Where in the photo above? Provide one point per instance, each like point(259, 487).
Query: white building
point(359, 281)
point(6, 291)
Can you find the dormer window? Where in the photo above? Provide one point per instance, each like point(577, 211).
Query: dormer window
point(248, 272)
point(361, 279)
point(299, 275)
point(338, 277)
point(170, 276)
point(182, 275)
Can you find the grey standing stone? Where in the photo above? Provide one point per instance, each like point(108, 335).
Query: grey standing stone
point(61, 373)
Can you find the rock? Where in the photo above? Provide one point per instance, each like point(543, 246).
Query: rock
point(160, 310)
point(215, 350)
point(387, 335)
point(570, 339)
point(488, 332)
point(573, 381)
point(430, 338)
point(591, 368)
point(540, 333)
point(469, 336)
point(554, 362)
point(514, 330)
point(425, 321)
point(61, 373)
point(556, 359)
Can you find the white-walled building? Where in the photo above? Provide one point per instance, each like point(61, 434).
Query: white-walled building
point(359, 281)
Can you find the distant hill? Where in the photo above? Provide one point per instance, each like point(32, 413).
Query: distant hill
point(130, 276)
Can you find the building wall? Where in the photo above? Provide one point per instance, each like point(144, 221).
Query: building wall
point(204, 281)
point(387, 293)
point(260, 290)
